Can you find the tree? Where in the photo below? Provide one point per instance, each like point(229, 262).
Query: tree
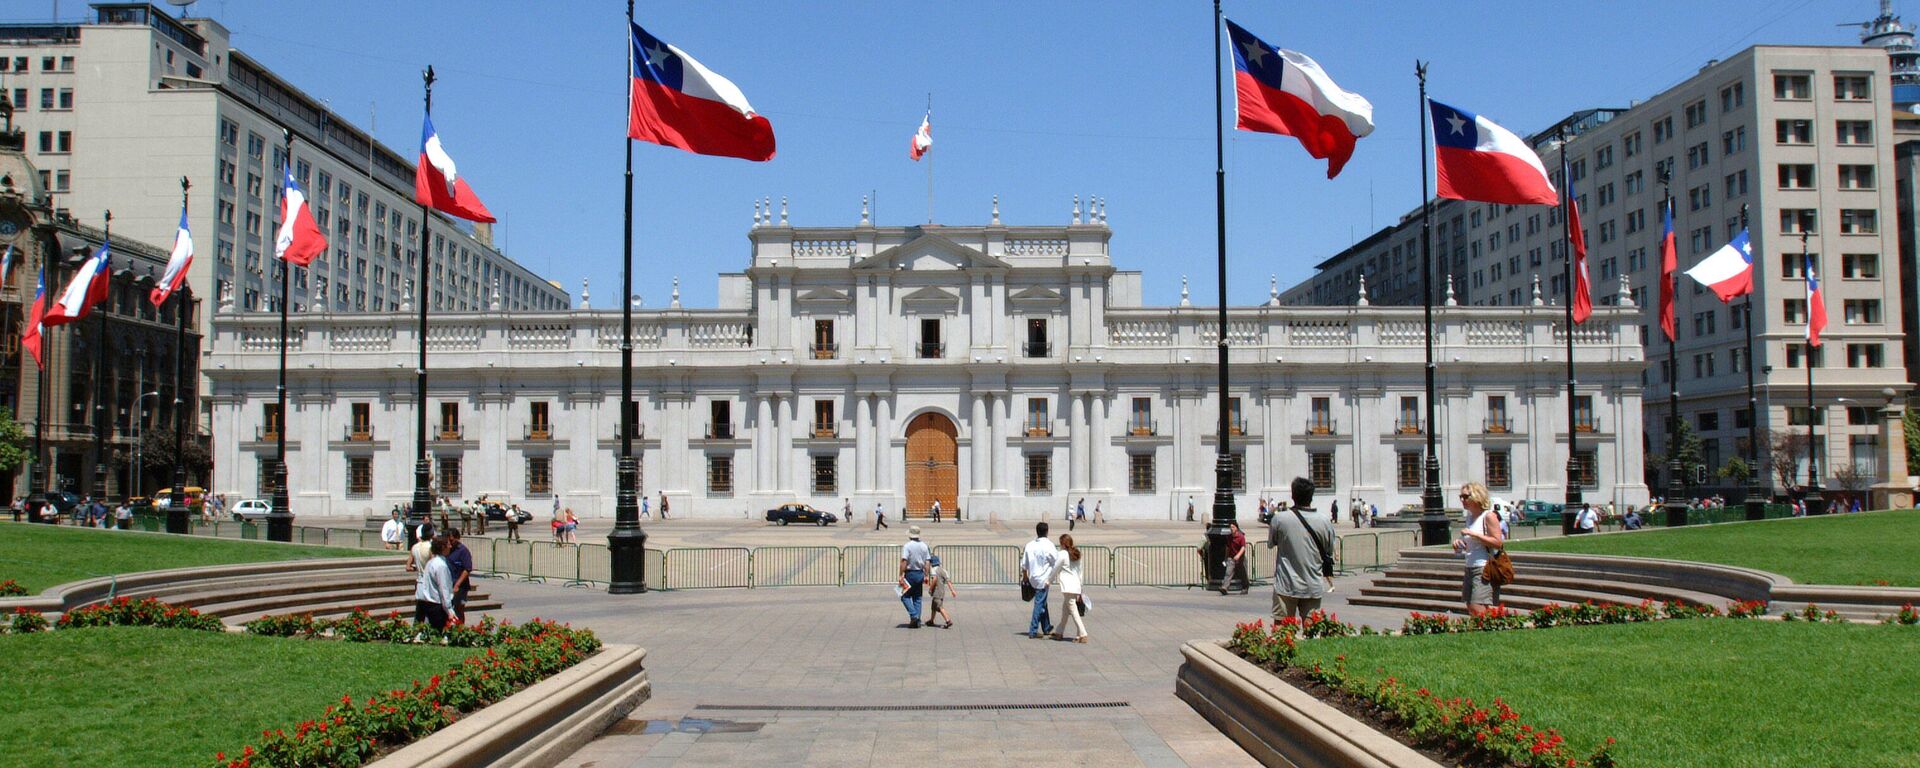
point(1735, 470)
point(157, 459)
point(1852, 477)
point(1911, 423)
point(1784, 449)
point(1686, 449)
point(13, 442)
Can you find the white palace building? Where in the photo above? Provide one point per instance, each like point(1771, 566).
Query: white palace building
point(1006, 371)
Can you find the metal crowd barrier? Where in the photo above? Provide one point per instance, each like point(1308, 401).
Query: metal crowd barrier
point(870, 564)
point(1156, 566)
point(708, 567)
point(979, 563)
point(796, 566)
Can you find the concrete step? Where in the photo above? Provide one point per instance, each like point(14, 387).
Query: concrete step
point(1513, 595)
point(1613, 591)
point(278, 589)
point(378, 608)
point(1412, 604)
point(290, 602)
point(165, 592)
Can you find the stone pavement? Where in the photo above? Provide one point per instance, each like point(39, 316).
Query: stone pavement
point(832, 676)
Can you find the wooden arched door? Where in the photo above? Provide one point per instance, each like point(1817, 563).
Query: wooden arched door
point(933, 465)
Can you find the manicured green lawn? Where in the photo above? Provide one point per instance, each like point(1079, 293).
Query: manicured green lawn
point(1866, 548)
point(42, 556)
point(1707, 692)
point(140, 696)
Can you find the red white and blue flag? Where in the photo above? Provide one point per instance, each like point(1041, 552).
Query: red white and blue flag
point(177, 263)
point(437, 183)
point(300, 240)
point(1816, 305)
point(31, 339)
point(677, 102)
point(6, 265)
point(1577, 240)
point(1728, 271)
point(1286, 92)
point(1474, 159)
point(1669, 264)
point(922, 139)
point(89, 286)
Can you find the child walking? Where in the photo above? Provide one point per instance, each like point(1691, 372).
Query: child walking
point(941, 588)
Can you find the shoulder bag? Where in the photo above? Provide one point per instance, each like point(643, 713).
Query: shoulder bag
point(1499, 568)
point(1326, 562)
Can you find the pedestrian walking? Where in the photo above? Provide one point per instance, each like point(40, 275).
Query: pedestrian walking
point(914, 557)
point(513, 523)
point(393, 533)
point(1303, 555)
point(1071, 587)
point(555, 524)
point(1073, 514)
point(1584, 521)
point(1189, 509)
point(644, 512)
point(1235, 572)
point(1477, 543)
point(936, 510)
point(460, 568)
point(433, 589)
point(846, 511)
point(123, 516)
point(1333, 513)
point(940, 588)
point(1037, 563)
point(663, 505)
point(570, 527)
point(879, 515)
point(1098, 516)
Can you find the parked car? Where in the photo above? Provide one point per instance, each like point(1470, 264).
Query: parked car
point(800, 513)
point(251, 509)
point(1537, 511)
point(63, 502)
point(195, 495)
point(498, 513)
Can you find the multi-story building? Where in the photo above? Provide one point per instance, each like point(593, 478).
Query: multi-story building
point(130, 388)
point(1795, 139)
point(117, 111)
point(1004, 370)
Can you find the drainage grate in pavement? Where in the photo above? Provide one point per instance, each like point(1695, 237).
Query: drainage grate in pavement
point(910, 707)
point(683, 725)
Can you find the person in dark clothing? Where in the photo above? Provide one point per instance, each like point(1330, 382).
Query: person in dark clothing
point(460, 566)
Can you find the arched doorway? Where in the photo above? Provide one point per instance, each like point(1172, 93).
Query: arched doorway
point(933, 465)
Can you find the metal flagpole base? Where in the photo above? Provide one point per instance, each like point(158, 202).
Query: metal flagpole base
point(177, 521)
point(1435, 528)
point(421, 510)
point(628, 543)
point(280, 520)
point(1756, 503)
point(1816, 501)
point(1220, 528)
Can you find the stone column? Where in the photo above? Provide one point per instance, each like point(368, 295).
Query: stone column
point(883, 446)
point(1892, 492)
point(763, 444)
point(978, 430)
point(1077, 443)
point(997, 450)
point(1097, 439)
point(783, 448)
point(862, 442)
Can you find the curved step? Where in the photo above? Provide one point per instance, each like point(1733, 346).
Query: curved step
point(345, 594)
point(1609, 591)
point(278, 589)
point(168, 591)
point(377, 608)
point(1513, 595)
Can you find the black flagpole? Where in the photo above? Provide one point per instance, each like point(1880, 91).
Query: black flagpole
point(1815, 501)
point(1219, 528)
point(1676, 506)
point(280, 520)
point(177, 521)
point(40, 478)
point(1575, 499)
point(101, 425)
point(1433, 517)
point(422, 509)
point(627, 543)
point(1756, 503)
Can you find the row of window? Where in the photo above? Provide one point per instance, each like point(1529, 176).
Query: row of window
point(18, 64)
point(51, 99)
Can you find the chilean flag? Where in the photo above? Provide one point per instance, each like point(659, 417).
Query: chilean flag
point(922, 139)
point(31, 339)
point(1816, 306)
point(177, 263)
point(300, 240)
point(1728, 271)
point(437, 183)
point(1474, 159)
point(1669, 264)
point(1577, 238)
point(677, 102)
point(1285, 92)
point(88, 287)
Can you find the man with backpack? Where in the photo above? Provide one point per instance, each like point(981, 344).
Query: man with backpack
point(1303, 541)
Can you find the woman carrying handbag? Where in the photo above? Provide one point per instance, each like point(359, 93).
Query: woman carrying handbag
point(1481, 542)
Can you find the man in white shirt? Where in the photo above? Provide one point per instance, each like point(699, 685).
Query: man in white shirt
point(393, 533)
point(913, 574)
point(1037, 565)
point(1587, 520)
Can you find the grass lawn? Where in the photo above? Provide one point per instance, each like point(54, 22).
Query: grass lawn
point(42, 556)
point(1684, 692)
point(1862, 549)
point(139, 696)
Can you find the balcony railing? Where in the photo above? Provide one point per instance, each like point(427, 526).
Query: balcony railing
point(1236, 426)
point(266, 433)
point(1039, 349)
point(825, 351)
point(451, 432)
point(1407, 426)
point(931, 351)
point(359, 433)
point(1322, 426)
point(1498, 425)
point(1142, 428)
point(1586, 424)
point(539, 432)
point(639, 431)
point(826, 430)
point(720, 431)
point(1039, 429)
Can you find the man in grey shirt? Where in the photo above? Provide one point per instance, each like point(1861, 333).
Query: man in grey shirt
point(1303, 556)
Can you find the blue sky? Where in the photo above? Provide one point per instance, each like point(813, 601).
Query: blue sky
point(1034, 101)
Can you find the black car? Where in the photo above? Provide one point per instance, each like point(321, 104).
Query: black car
point(800, 513)
point(499, 513)
point(64, 501)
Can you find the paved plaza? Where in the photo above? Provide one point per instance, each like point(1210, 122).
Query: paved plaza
point(832, 676)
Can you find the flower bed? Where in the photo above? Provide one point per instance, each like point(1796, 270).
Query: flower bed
point(353, 732)
point(119, 612)
point(11, 588)
point(1907, 616)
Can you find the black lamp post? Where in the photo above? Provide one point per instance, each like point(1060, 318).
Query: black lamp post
point(101, 424)
point(626, 545)
point(280, 518)
point(177, 521)
point(1434, 526)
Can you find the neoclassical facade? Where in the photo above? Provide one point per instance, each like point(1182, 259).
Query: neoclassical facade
point(1006, 371)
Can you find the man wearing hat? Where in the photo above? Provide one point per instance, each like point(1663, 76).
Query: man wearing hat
point(913, 574)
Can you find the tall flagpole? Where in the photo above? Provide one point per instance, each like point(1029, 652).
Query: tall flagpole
point(1756, 503)
point(626, 545)
point(40, 479)
point(101, 425)
point(1219, 528)
point(177, 521)
point(1575, 499)
point(1433, 517)
point(1816, 503)
point(280, 518)
point(422, 509)
point(1675, 505)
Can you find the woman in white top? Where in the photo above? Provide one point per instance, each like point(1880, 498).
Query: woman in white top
point(1477, 542)
point(433, 593)
point(1068, 576)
